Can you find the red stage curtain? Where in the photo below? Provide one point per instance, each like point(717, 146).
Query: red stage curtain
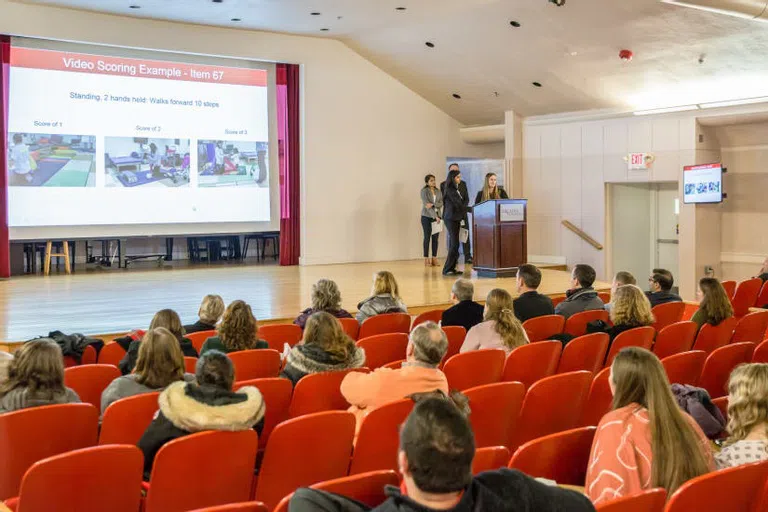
point(288, 148)
point(5, 248)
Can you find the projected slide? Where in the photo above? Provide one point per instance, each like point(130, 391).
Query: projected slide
point(113, 140)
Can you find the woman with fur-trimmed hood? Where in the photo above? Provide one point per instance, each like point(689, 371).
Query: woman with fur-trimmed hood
point(325, 348)
point(208, 404)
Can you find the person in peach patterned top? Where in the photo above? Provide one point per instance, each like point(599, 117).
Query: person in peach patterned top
point(646, 441)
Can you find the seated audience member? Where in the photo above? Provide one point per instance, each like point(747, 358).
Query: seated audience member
point(35, 378)
point(465, 312)
point(714, 305)
point(747, 417)
point(168, 319)
point(646, 441)
point(660, 283)
point(237, 331)
point(385, 298)
point(530, 303)
point(5, 361)
point(500, 328)
point(209, 314)
point(325, 348)
point(622, 278)
point(764, 270)
point(419, 374)
point(435, 460)
point(581, 297)
point(159, 363)
point(325, 297)
point(630, 309)
point(207, 404)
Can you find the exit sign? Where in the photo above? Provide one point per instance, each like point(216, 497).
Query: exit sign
point(639, 161)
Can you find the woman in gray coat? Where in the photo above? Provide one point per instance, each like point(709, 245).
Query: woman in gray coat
point(431, 211)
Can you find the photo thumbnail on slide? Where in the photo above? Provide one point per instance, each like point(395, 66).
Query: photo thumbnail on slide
point(141, 161)
point(224, 163)
point(51, 160)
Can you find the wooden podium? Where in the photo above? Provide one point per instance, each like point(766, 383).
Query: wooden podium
point(500, 237)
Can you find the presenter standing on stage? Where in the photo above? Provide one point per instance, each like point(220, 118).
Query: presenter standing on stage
point(463, 190)
point(490, 190)
point(455, 204)
point(431, 211)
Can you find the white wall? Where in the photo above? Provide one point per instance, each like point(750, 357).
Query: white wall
point(367, 139)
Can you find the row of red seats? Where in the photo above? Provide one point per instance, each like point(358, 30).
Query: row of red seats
point(746, 294)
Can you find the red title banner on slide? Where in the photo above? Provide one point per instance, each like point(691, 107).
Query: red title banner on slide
point(700, 167)
point(135, 68)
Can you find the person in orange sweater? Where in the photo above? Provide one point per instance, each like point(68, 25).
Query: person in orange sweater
point(646, 441)
point(420, 374)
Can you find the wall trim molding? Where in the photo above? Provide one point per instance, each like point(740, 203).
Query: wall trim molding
point(738, 149)
point(548, 259)
point(741, 257)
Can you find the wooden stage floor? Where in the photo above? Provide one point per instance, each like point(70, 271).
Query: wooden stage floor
point(95, 302)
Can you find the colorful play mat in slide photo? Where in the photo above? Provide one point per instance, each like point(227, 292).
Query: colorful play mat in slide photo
point(54, 161)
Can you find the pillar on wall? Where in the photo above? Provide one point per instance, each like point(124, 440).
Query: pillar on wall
point(513, 153)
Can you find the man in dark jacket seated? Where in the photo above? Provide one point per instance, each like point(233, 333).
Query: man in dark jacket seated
point(530, 303)
point(208, 404)
point(465, 312)
point(661, 283)
point(436, 451)
point(581, 296)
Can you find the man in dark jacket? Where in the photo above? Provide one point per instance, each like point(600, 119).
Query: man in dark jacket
point(581, 296)
point(530, 303)
point(455, 203)
point(464, 193)
point(661, 283)
point(436, 451)
point(465, 311)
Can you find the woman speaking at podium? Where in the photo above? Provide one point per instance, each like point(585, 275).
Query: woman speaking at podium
point(490, 190)
point(454, 209)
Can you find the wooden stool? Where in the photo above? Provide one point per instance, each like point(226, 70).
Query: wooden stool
point(49, 255)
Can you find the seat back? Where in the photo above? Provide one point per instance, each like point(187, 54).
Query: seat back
point(751, 327)
point(198, 338)
point(576, 325)
point(762, 297)
point(277, 335)
point(289, 464)
point(599, 400)
point(760, 355)
point(637, 337)
point(350, 326)
point(455, 335)
point(189, 364)
point(605, 297)
point(125, 420)
point(246, 506)
point(379, 439)
point(87, 480)
point(225, 478)
point(277, 394)
point(684, 368)
point(675, 339)
point(367, 488)
point(475, 368)
point(383, 348)
point(395, 365)
point(562, 457)
point(495, 409)
point(490, 458)
point(90, 380)
point(737, 489)
point(652, 500)
point(89, 355)
point(319, 392)
point(255, 364)
point(383, 324)
point(584, 353)
point(544, 327)
point(712, 337)
point(667, 314)
point(434, 315)
point(719, 365)
point(541, 415)
point(111, 353)
point(730, 288)
point(532, 362)
point(34, 427)
point(745, 296)
point(722, 404)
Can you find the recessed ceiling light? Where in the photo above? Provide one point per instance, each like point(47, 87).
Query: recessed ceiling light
point(399, 8)
point(429, 44)
point(456, 96)
point(315, 13)
point(515, 24)
point(536, 84)
point(324, 29)
point(217, 1)
point(134, 7)
point(236, 19)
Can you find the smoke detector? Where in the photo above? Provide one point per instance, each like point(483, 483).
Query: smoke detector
point(626, 55)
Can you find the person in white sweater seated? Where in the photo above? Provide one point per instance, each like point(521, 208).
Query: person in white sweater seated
point(500, 327)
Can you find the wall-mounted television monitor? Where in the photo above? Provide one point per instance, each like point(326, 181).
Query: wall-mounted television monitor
point(703, 183)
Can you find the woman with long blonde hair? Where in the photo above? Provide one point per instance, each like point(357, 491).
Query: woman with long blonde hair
point(35, 378)
point(209, 314)
point(646, 441)
point(714, 304)
point(500, 327)
point(237, 331)
point(324, 348)
point(490, 189)
point(747, 417)
point(630, 308)
point(385, 298)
